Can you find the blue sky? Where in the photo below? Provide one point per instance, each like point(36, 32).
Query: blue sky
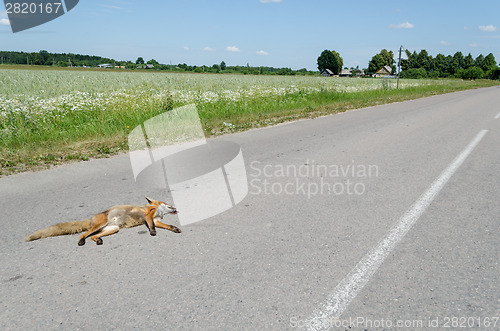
point(286, 33)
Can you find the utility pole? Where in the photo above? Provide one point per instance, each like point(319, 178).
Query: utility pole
point(399, 65)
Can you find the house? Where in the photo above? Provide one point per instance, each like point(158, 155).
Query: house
point(385, 71)
point(345, 73)
point(149, 66)
point(105, 65)
point(358, 73)
point(327, 73)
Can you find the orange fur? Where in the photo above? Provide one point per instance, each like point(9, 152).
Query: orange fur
point(111, 221)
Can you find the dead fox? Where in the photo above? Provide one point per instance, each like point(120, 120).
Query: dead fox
point(111, 221)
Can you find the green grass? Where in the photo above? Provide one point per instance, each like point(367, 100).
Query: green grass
point(258, 113)
point(50, 117)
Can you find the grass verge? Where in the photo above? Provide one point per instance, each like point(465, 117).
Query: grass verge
point(250, 114)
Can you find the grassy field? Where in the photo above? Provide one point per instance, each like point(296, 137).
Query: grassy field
point(52, 116)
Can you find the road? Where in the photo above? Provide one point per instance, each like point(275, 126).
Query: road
point(323, 194)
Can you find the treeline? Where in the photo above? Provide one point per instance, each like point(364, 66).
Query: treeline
point(423, 65)
point(79, 60)
point(246, 70)
point(52, 59)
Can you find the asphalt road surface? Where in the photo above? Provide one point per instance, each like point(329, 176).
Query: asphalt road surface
point(380, 218)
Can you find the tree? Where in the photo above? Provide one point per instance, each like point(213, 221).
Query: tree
point(447, 66)
point(440, 64)
point(384, 58)
point(216, 68)
point(489, 63)
point(424, 60)
point(223, 65)
point(411, 61)
point(153, 62)
point(139, 60)
point(37, 59)
point(456, 63)
point(479, 60)
point(468, 61)
point(330, 60)
point(44, 56)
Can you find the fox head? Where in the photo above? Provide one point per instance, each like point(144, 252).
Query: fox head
point(162, 207)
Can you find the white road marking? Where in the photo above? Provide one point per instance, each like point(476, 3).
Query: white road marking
point(498, 116)
point(353, 283)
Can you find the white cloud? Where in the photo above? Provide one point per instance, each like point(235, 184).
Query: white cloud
point(488, 28)
point(262, 53)
point(476, 45)
point(110, 7)
point(270, 1)
point(232, 49)
point(186, 48)
point(445, 43)
point(4, 21)
point(208, 49)
point(406, 25)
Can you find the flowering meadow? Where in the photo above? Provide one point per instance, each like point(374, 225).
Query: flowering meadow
point(64, 107)
point(44, 100)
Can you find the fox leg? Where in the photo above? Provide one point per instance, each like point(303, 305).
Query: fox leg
point(107, 231)
point(150, 222)
point(161, 225)
point(99, 222)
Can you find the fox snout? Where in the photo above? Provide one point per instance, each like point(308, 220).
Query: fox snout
point(168, 209)
point(164, 209)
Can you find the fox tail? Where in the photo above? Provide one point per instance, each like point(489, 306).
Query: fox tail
point(61, 229)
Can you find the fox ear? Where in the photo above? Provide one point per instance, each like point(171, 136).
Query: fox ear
point(148, 199)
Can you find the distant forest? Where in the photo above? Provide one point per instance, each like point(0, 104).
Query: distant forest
point(79, 60)
point(49, 59)
point(423, 65)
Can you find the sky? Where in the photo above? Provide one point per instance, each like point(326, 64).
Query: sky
point(277, 33)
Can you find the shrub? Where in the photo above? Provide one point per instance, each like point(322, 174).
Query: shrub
point(471, 73)
point(414, 73)
point(494, 74)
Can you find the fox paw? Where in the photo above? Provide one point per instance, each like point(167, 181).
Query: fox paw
point(152, 232)
point(99, 241)
point(176, 230)
point(81, 242)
